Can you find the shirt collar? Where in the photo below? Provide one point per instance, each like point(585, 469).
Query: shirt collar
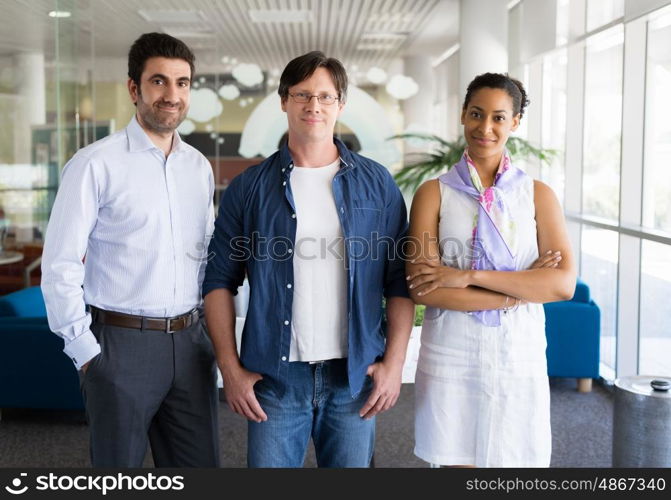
point(345, 155)
point(138, 140)
point(178, 145)
point(285, 155)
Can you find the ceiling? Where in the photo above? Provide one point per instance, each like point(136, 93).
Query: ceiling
point(362, 33)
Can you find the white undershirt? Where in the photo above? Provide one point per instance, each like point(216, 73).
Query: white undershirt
point(319, 316)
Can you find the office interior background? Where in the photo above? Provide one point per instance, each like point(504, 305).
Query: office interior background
point(598, 73)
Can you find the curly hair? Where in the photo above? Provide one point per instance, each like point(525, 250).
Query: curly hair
point(513, 87)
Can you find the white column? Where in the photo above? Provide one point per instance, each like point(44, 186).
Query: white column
point(483, 29)
point(30, 84)
point(418, 109)
point(29, 80)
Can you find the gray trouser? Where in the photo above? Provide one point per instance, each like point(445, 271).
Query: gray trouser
point(156, 387)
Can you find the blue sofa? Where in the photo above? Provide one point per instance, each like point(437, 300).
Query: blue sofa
point(573, 331)
point(34, 372)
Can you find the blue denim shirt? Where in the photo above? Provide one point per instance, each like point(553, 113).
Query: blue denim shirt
point(255, 234)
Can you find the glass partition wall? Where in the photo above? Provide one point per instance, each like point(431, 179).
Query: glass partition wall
point(46, 114)
point(63, 85)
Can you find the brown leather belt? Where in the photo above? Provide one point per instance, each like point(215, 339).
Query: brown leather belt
point(167, 325)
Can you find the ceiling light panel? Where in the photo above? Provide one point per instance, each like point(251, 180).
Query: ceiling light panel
point(172, 16)
point(280, 16)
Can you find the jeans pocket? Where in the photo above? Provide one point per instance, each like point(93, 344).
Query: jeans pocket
point(265, 388)
point(368, 382)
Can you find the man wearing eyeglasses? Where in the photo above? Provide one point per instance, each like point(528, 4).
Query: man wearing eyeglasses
point(317, 229)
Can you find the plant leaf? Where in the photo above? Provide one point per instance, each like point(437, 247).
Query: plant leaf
point(423, 166)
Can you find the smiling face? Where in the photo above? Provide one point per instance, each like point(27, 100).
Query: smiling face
point(162, 98)
point(312, 122)
point(488, 120)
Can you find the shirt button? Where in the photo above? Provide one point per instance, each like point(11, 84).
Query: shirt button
point(284, 358)
point(342, 210)
point(290, 251)
point(293, 216)
point(283, 169)
point(286, 322)
point(284, 183)
point(288, 285)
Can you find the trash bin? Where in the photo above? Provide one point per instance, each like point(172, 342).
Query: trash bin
point(642, 422)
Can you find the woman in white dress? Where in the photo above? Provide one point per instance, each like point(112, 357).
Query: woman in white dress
point(491, 248)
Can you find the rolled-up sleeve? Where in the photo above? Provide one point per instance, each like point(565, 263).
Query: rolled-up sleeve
point(395, 284)
point(228, 251)
point(209, 227)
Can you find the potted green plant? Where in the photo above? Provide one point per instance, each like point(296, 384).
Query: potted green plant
point(419, 315)
point(423, 166)
point(412, 352)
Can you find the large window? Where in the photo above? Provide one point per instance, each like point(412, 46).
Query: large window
point(657, 174)
point(598, 266)
point(605, 101)
point(655, 331)
point(600, 12)
point(553, 132)
point(603, 124)
point(563, 22)
point(26, 195)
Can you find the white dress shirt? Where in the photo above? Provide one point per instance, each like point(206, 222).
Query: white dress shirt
point(319, 311)
point(128, 232)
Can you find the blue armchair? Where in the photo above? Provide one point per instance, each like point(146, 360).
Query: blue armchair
point(34, 372)
point(573, 331)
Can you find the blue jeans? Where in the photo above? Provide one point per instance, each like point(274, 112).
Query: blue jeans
point(317, 402)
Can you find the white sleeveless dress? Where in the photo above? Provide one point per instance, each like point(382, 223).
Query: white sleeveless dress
point(481, 393)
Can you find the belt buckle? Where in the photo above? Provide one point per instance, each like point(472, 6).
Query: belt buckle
point(168, 324)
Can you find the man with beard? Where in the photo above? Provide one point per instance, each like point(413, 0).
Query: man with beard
point(121, 276)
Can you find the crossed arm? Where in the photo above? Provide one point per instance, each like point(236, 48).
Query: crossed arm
point(551, 277)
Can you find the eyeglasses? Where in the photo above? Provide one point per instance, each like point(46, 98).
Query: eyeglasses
point(302, 98)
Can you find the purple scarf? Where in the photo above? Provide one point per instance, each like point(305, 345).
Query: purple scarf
point(490, 251)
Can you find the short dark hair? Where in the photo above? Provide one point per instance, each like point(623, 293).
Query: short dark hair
point(156, 45)
point(304, 66)
point(513, 87)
